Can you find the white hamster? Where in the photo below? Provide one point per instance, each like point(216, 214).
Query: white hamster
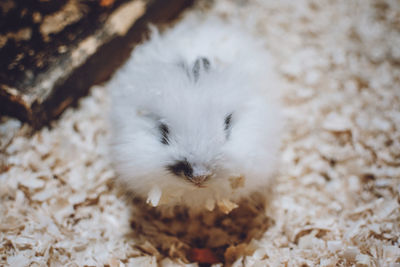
point(194, 116)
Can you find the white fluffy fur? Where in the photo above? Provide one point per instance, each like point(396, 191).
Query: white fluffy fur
point(154, 86)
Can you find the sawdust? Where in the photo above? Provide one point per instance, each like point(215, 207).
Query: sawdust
point(335, 201)
point(237, 182)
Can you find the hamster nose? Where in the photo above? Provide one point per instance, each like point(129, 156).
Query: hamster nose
point(181, 168)
point(195, 174)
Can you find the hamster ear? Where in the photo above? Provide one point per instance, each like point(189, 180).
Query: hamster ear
point(201, 64)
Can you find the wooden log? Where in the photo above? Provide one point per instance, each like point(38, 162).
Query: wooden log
point(52, 52)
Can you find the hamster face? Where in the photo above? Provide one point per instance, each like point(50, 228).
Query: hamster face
point(191, 126)
point(195, 148)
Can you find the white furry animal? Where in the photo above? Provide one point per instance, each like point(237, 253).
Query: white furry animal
point(194, 116)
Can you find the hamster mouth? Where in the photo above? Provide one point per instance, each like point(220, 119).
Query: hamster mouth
point(199, 181)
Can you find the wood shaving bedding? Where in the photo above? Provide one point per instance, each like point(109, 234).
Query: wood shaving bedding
point(335, 201)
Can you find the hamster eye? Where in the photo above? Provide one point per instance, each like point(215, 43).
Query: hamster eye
point(164, 130)
point(228, 120)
